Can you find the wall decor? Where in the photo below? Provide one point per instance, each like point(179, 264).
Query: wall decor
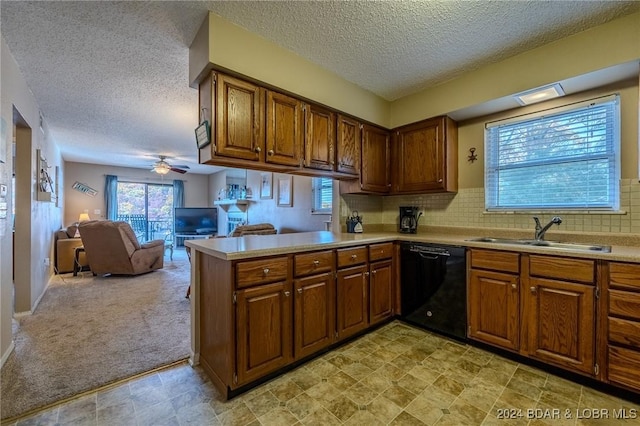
point(266, 181)
point(84, 188)
point(285, 191)
point(45, 190)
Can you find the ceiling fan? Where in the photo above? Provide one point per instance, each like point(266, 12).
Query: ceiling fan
point(162, 167)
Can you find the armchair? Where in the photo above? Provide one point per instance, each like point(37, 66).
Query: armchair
point(112, 248)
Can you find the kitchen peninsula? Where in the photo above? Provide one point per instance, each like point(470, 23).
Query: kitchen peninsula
point(261, 304)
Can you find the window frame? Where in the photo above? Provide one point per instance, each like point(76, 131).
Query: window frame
point(612, 154)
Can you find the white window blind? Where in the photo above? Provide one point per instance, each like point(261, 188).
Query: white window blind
point(564, 158)
point(322, 189)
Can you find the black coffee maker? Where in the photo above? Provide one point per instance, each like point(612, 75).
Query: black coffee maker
point(409, 219)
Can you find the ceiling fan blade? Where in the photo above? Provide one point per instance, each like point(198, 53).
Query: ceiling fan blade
point(175, 169)
point(180, 166)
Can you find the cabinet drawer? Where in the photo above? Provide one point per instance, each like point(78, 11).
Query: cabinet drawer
point(624, 367)
point(380, 251)
point(261, 271)
point(352, 256)
point(624, 332)
point(313, 263)
point(563, 268)
point(495, 260)
point(624, 304)
point(626, 275)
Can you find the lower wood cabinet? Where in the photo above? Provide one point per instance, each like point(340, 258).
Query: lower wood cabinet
point(352, 292)
point(263, 330)
point(622, 320)
point(315, 313)
point(381, 291)
point(543, 307)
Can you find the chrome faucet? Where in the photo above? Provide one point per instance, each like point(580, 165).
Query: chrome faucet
point(540, 230)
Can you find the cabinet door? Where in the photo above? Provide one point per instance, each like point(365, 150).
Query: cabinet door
point(263, 330)
point(374, 170)
point(320, 135)
point(561, 323)
point(348, 145)
point(314, 313)
point(420, 157)
point(380, 291)
point(494, 308)
point(239, 115)
point(352, 303)
point(285, 128)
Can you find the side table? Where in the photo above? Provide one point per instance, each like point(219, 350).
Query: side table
point(76, 260)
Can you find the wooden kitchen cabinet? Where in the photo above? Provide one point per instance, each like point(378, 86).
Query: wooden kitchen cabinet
point(314, 313)
point(622, 310)
point(375, 163)
point(284, 129)
point(380, 291)
point(263, 330)
point(320, 138)
point(560, 316)
point(425, 156)
point(494, 304)
point(352, 296)
point(239, 119)
point(347, 145)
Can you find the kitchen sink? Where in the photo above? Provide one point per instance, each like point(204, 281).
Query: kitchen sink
point(541, 243)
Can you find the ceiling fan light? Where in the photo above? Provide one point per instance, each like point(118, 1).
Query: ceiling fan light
point(162, 168)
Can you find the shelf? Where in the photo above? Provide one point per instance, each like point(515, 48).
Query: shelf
point(44, 196)
point(240, 203)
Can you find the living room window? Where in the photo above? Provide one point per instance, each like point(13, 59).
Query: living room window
point(322, 195)
point(564, 158)
point(148, 207)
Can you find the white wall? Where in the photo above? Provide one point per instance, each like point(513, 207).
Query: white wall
point(45, 217)
point(196, 187)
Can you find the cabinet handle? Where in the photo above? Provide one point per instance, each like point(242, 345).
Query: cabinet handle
point(533, 290)
point(373, 272)
point(316, 262)
point(286, 293)
point(439, 180)
point(300, 290)
point(366, 274)
point(271, 152)
point(354, 257)
point(514, 286)
point(257, 149)
point(265, 271)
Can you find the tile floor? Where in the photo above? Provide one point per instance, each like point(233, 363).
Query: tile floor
point(396, 375)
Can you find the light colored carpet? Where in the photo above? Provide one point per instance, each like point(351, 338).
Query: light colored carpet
point(90, 331)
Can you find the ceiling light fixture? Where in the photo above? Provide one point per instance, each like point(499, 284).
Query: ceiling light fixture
point(539, 94)
point(161, 168)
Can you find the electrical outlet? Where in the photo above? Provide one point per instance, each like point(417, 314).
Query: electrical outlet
point(97, 211)
point(46, 261)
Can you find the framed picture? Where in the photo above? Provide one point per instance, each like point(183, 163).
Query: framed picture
point(266, 181)
point(285, 191)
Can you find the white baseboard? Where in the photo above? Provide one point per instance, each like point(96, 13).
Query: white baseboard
point(6, 354)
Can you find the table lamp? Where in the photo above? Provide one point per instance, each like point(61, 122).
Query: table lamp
point(82, 218)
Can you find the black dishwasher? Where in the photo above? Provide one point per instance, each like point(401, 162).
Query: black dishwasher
point(434, 289)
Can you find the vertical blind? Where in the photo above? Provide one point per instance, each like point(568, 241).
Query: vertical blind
point(322, 195)
point(565, 158)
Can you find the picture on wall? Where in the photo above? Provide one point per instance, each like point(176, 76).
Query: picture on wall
point(265, 185)
point(285, 191)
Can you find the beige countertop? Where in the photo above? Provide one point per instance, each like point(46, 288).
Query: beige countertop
point(252, 246)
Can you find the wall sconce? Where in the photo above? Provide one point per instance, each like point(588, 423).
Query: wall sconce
point(472, 156)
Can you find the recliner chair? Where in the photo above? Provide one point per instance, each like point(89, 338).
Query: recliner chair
point(112, 248)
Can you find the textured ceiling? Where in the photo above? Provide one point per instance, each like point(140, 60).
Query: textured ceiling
point(111, 78)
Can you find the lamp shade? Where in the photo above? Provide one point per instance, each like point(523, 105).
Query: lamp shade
point(84, 217)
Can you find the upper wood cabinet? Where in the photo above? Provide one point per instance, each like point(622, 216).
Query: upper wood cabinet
point(239, 119)
point(285, 129)
point(375, 163)
point(320, 138)
point(348, 145)
point(425, 157)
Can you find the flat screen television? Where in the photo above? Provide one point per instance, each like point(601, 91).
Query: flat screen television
point(195, 220)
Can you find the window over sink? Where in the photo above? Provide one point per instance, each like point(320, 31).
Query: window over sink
point(565, 158)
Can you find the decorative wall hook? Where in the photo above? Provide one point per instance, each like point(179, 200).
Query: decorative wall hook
point(472, 156)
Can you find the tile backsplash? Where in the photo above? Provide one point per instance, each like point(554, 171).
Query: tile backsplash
point(466, 208)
